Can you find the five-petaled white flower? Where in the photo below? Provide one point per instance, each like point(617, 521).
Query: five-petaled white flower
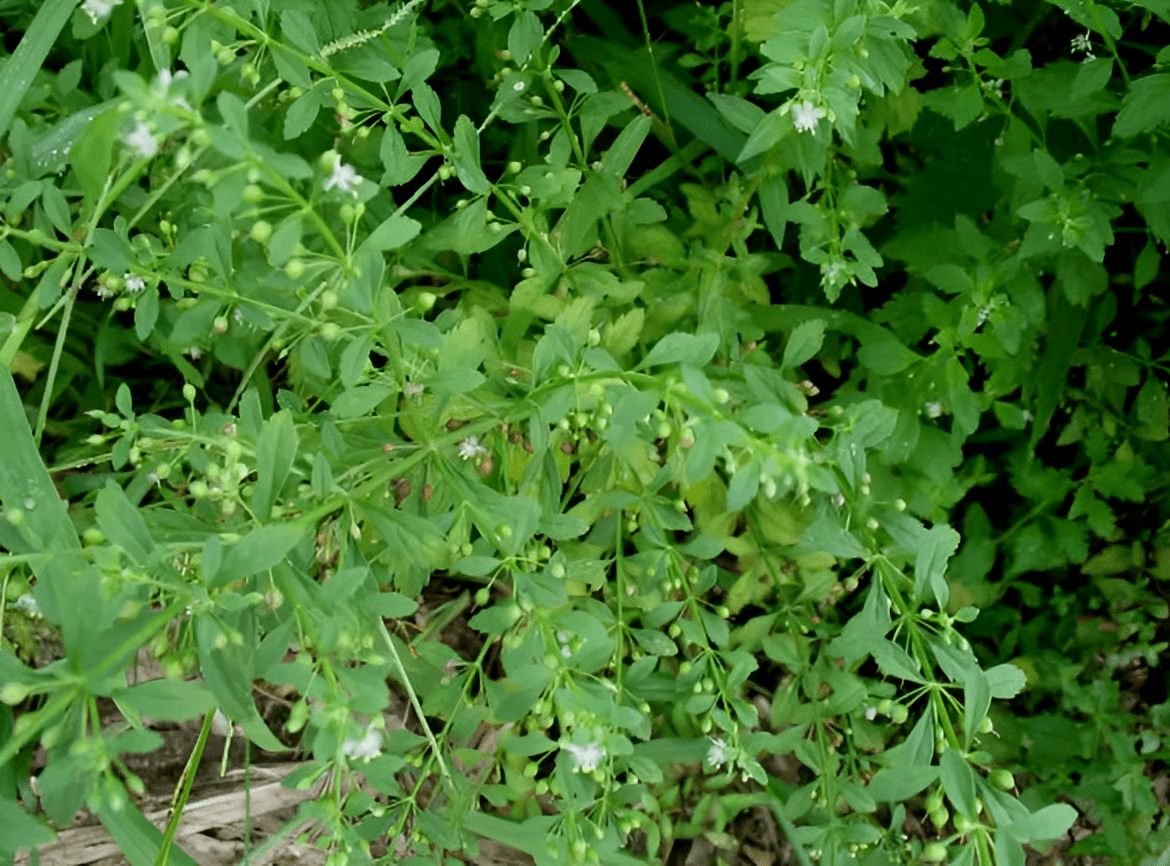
point(98, 9)
point(805, 116)
point(718, 754)
point(1082, 43)
point(345, 178)
point(134, 283)
point(585, 757)
point(141, 140)
point(870, 713)
point(933, 409)
point(369, 746)
point(470, 448)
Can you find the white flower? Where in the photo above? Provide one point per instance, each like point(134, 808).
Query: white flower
point(838, 499)
point(871, 713)
point(104, 292)
point(805, 116)
point(134, 283)
point(1081, 43)
point(345, 178)
point(369, 746)
point(585, 757)
point(194, 353)
point(26, 604)
point(933, 409)
point(98, 9)
point(718, 754)
point(141, 140)
point(412, 390)
point(470, 448)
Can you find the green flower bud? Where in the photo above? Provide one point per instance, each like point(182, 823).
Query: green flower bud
point(1002, 779)
point(330, 331)
point(482, 596)
point(294, 269)
point(425, 300)
point(899, 714)
point(170, 35)
point(189, 392)
point(253, 194)
point(935, 852)
point(261, 231)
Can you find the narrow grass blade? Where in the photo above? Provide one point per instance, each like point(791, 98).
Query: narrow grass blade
point(29, 55)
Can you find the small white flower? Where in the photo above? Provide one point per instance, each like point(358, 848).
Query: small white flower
point(585, 757)
point(27, 605)
point(838, 499)
point(412, 390)
point(470, 448)
point(345, 178)
point(933, 409)
point(1081, 43)
point(141, 140)
point(98, 9)
point(104, 292)
point(718, 754)
point(153, 478)
point(871, 713)
point(805, 116)
point(166, 77)
point(982, 315)
point(518, 86)
point(134, 283)
point(369, 746)
point(194, 353)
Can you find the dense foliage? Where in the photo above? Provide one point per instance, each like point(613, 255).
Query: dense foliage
point(724, 406)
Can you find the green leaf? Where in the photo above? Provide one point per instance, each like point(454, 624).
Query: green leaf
point(976, 701)
point(275, 452)
point(620, 156)
point(804, 342)
point(1064, 336)
point(773, 205)
point(1152, 410)
point(1145, 270)
point(466, 156)
point(895, 785)
point(9, 261)
point(958, 781)
point(524, 35)
point(20, 69)
point(228, 673)
point(1146, 105)
point(121, 523)
point(1048, 823)
point(258, 551)
point(695, 350)
point(302, 112)
point(138, 840)
point(895, 661)
point(167, 700)
point(936, 546)
point(21, 830)
point(1005, 681)
point(392, 234)
point(299, 30)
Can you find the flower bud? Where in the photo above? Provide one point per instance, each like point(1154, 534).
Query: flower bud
point(261, 231)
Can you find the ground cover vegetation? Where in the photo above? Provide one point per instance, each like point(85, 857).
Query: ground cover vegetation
point(734, 414)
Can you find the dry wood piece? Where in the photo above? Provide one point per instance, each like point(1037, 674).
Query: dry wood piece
point(87, 845)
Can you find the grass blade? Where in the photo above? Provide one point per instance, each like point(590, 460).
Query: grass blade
point(29, 55)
